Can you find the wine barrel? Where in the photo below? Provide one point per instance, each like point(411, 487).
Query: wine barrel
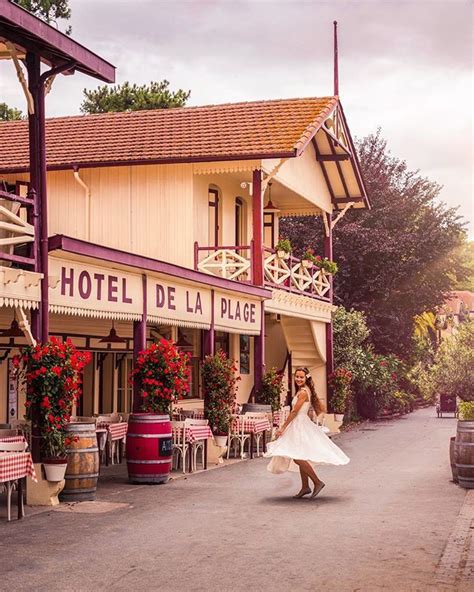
point(149, 448)
point(82, 469)
point(453, 455)
point(465, 453)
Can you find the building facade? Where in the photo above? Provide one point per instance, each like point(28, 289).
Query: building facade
point(164, 223)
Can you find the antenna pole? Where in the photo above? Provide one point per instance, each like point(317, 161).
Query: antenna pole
point(336, 64)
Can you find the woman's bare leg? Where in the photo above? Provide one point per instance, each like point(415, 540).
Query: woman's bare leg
point(305, 489)
point(310, 472)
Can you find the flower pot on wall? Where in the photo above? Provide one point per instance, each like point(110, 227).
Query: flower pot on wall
point(307, 263)
point(339, 417)
point(55, 468)
point(282, 254)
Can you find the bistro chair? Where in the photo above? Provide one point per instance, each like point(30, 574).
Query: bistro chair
point(257, 436)
point(9, 486)
point(197, 445)
point(180, 446)
point(237, 436)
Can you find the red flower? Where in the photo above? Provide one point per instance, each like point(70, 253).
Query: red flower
point(45, 403)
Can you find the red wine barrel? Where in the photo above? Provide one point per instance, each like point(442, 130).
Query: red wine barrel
point(82, 469)
point(149, 448)
point(465, 453)
point(453, 455)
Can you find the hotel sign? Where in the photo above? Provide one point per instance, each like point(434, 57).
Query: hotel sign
point(94, 290)
point(89, 290)
point(170, 301)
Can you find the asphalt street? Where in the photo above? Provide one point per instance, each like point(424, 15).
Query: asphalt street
point(381, 523)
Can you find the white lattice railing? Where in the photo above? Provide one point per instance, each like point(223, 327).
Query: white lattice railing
point(291, 274)
point(225, 262)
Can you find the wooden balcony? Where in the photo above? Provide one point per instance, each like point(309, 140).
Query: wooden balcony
point(290, 274)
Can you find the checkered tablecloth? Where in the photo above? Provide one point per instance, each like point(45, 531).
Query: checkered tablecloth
point(16, 465)
point(195, 433)
point(253, 426)
point(117, 431)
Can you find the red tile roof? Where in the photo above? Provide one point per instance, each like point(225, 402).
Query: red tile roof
point(260, 129)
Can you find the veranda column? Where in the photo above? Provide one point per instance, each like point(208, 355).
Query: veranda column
point(33, 67)
point(209, 335)
point(329, 332)
point(257, 275)
point(139, 344)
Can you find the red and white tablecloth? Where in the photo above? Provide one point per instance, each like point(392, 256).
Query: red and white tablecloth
point(254, 425)
point(276, 418)
point(117, 431)
point(16, 465)
point(195, 433)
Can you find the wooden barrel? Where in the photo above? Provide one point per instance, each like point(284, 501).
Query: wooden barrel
point(453, 455)
point(465, 453)
point(149, 448)
point(82, 463)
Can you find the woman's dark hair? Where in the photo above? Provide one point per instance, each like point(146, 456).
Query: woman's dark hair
point(316, 402)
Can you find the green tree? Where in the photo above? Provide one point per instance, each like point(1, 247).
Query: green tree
point(466, 255)
point(398, 259)
point(126, 97)
point(50, 11)
point(9, 113)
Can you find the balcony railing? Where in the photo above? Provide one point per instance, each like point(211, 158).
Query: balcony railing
point(291, 274)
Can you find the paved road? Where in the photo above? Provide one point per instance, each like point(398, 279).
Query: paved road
point(381, 523)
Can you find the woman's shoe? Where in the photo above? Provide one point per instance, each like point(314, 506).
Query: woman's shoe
point(302, 493)
point(317, 489)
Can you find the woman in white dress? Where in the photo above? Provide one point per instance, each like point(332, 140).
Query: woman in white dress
point(301, 443)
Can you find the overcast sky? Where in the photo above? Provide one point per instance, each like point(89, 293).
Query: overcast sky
point(404, 66)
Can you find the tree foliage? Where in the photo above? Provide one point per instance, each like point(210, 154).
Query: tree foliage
point(49, 10)
point(398, 259)
point(127, 97)
point(9, 113)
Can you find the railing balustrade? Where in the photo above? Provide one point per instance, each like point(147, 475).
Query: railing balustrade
point(290, 274)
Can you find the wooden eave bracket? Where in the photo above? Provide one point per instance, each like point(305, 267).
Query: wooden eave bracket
point(21, 76)
point(272, 174)
point(342, 213)
point(24, 325)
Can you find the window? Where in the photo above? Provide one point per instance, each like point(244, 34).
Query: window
point(213, 202)
point(124, 365)
point(269, 229)
point(244, 354)
point(239, 222)
point(222, 342)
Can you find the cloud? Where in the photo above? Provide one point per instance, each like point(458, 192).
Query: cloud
point(404, 66)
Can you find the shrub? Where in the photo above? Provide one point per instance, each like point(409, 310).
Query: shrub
point(283, 244)
point(340, 381)
point(219, 388)
point(453, 369)
point(52, 372)
point(272, 388)
point(466, 410)
point(162, 373)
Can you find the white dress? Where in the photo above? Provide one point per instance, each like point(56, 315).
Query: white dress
point(303, 440)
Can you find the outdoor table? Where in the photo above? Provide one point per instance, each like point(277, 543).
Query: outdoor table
point(194, 433)
point(108, 433)
point(16, 466)
point(252, 426)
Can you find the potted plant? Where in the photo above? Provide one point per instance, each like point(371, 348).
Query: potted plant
point(283, 248)
point(308, 259)
point(162, 372)
point(326, 265)
point(466, 411)
point(219, 385)
point(52, 372)
point(272, 387)
point(340, 381)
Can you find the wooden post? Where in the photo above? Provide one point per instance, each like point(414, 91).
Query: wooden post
point(257, 228)
point(139, 344)
point(328, 252)
point(209, 336)
point(259, 355)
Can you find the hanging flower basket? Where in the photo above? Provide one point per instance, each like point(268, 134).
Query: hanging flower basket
point(307, 263)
